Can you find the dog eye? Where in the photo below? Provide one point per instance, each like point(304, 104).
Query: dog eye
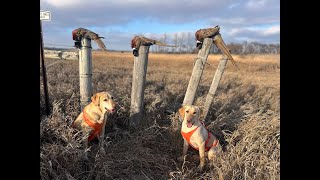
point(194, 113)
point(111, 97)
point(105, 100)
point(187, 111)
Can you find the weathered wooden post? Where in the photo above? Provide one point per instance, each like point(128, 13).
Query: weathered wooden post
point(85, 71)
point(197, 72)
point(214, 85)
point(138, 85)
point(44, 16)
point(44, 73)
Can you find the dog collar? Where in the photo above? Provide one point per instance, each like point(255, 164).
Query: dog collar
point(96, 126)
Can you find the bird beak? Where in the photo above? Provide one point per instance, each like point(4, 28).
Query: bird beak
point(218, 41)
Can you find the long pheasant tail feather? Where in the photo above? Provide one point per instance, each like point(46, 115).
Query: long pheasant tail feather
point(96, 38)
point(163, 44)
point(218, 41)
point(100, 44)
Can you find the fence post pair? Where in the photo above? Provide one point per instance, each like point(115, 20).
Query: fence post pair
point(196, 77)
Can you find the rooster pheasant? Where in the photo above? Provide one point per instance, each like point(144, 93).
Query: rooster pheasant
point(80, 33)
point(138, 41)
point(214, 33)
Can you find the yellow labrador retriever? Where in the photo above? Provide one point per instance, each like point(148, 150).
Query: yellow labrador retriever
point(196, 135)
point(92, 120)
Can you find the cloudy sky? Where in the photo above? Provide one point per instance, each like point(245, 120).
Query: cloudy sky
point(119, 20)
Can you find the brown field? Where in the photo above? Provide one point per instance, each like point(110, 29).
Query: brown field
point(245, 116)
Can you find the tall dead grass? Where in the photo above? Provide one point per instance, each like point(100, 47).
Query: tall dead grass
point(244, 116)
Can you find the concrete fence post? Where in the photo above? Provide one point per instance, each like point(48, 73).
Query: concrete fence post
point(214, 85)
point(85, 72)
point(138, 85)
point(197, 72)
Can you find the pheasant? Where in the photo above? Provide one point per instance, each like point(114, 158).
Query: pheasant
point(138, 41)
point(79, 33)
point(214, 33)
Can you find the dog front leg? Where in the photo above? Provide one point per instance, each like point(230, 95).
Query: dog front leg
point(185, 150)
point(101, 137)
point(202, 155)
point(85, 143)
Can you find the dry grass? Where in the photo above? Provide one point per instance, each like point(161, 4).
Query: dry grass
point(245, 115)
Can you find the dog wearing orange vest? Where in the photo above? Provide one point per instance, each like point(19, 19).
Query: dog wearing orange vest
point(196, 135)
point(92, 120)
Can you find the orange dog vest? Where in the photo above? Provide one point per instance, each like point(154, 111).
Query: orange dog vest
point(188, 135)
point(96, 127)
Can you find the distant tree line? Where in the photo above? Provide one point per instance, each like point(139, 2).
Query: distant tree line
point(185, 43)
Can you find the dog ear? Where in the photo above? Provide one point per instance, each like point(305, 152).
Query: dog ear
point(181, 112)
point(96, 99)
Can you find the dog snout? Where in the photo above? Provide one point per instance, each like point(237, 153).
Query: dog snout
point(113, 110)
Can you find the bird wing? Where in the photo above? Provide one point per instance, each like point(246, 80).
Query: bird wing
point(146, 41)
point(210, 32)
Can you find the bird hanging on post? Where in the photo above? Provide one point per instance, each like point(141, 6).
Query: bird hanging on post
point(80, 33)
point(138, 41)
point(214, 33)
point(205, 33)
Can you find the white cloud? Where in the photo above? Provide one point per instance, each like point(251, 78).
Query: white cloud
point(265, 31)
point(234, 5)
point(230, 20)
point(265, 34)
point(235, 31)
point(256, 4)
point(272, 30)
point(68, 3)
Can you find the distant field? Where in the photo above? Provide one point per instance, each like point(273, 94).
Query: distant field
point(245, 115)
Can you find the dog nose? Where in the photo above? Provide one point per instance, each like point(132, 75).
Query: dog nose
point(113, 110)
